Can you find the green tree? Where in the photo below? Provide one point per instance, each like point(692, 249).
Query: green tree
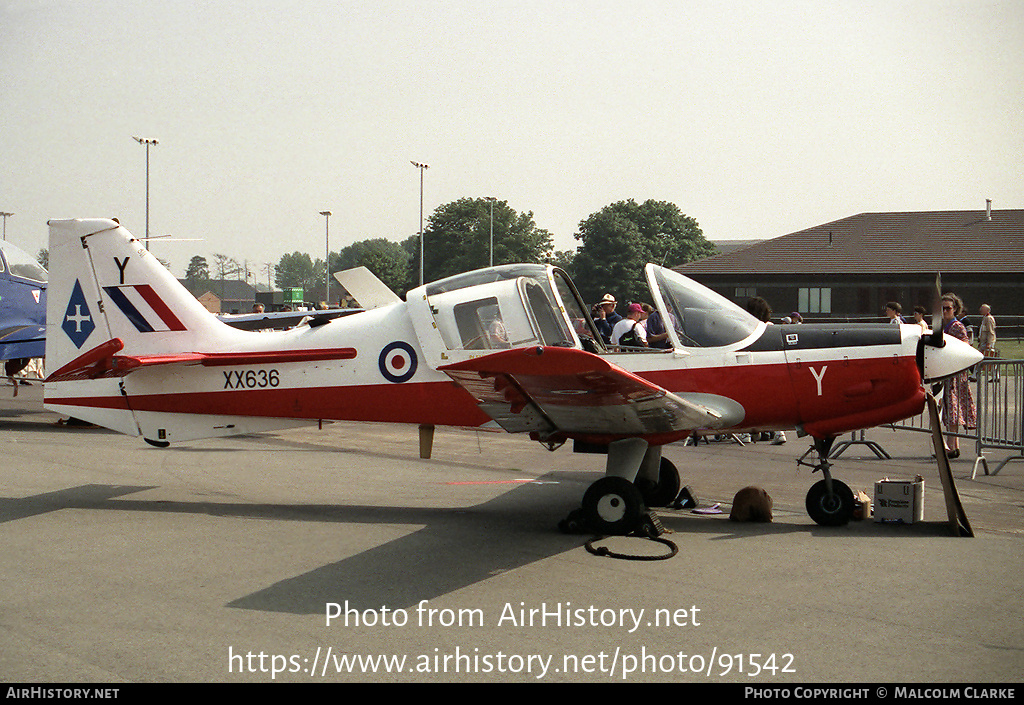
point(198, 269)
point(298, 270)
point(621, 238)
point(43, 258)
point(564, 259)
point(389, 261)
point(457, 239)
point(411, 245)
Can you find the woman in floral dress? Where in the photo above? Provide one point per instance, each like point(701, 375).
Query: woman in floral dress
point(957, 402)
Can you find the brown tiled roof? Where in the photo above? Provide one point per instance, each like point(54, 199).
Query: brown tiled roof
point(930, 241)
point(724, 247)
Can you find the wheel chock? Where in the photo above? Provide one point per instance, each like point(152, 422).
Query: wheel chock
point(686, 499)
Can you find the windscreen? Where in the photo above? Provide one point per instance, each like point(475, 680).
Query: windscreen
point(700, 317)
point(577, 312)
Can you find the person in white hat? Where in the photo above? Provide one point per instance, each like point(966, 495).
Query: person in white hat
point(605, 317)
point(608, 304)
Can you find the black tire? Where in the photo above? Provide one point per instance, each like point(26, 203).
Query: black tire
point(612, 505)
point(667, 489)
point(834, 511)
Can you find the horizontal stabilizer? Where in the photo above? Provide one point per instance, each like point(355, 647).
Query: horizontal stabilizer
point(103, 360)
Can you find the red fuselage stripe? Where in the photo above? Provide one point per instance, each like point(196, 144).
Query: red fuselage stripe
point(277, 356)
point(438, 403)
point(779, 395)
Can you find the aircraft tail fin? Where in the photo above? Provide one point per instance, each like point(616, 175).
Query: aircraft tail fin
point(107, 286)
point(112, 310)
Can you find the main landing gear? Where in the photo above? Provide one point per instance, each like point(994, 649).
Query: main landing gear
point(637, 478)
point(829, 502)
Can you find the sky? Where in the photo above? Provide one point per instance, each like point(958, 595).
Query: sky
point(756, 118)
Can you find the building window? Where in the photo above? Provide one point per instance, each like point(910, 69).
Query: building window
point(816, 300)
point(745, 293)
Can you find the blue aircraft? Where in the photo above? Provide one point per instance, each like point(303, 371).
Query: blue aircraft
point(22, 308)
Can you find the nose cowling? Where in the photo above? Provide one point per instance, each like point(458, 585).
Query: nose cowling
point(954, 356)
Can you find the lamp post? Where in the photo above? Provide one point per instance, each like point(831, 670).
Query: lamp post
point(426, 430)
point(327, 259)
point(147, 141)
point(421, 167)
point(492, 199)
point(5, 216)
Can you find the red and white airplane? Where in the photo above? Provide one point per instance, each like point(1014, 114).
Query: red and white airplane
point(510, 346)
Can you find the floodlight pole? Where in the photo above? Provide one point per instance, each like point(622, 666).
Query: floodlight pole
point(421, 167)
point(147, 141)
point(327, 258)
point(5, 217)
point(492, 199)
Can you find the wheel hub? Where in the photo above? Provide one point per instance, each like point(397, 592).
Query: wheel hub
point(611, 508)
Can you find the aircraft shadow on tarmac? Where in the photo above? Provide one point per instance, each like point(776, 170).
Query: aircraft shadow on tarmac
point(455, 548)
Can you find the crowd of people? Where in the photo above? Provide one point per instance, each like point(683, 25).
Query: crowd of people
point(642, 326)
point(958, 405)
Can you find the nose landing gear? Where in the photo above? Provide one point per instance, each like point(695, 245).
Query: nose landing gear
point(829, 501)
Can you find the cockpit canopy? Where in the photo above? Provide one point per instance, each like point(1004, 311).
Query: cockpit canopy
point(519, 305)
point(700, 317)
point(20, 264)
point(508, 306)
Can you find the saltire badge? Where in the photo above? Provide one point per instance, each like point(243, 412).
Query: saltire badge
point(144, 308)
point(397, 362)
point(78, 323)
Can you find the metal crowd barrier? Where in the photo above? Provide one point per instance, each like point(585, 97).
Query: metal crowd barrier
point(999, 395)
point(1000, 400)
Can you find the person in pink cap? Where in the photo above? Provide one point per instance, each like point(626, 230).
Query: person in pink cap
point(628, 331)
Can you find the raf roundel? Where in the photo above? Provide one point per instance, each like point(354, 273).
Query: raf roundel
point(397, 362)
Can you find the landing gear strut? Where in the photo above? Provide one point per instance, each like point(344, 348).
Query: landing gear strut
point(665, 490)
point(829, 502)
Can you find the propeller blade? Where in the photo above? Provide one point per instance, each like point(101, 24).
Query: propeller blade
point(936, 339)
point(958, 521)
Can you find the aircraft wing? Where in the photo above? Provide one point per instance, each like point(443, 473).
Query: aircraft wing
point(280, 320)
point(18, 341)
point(566, 390)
